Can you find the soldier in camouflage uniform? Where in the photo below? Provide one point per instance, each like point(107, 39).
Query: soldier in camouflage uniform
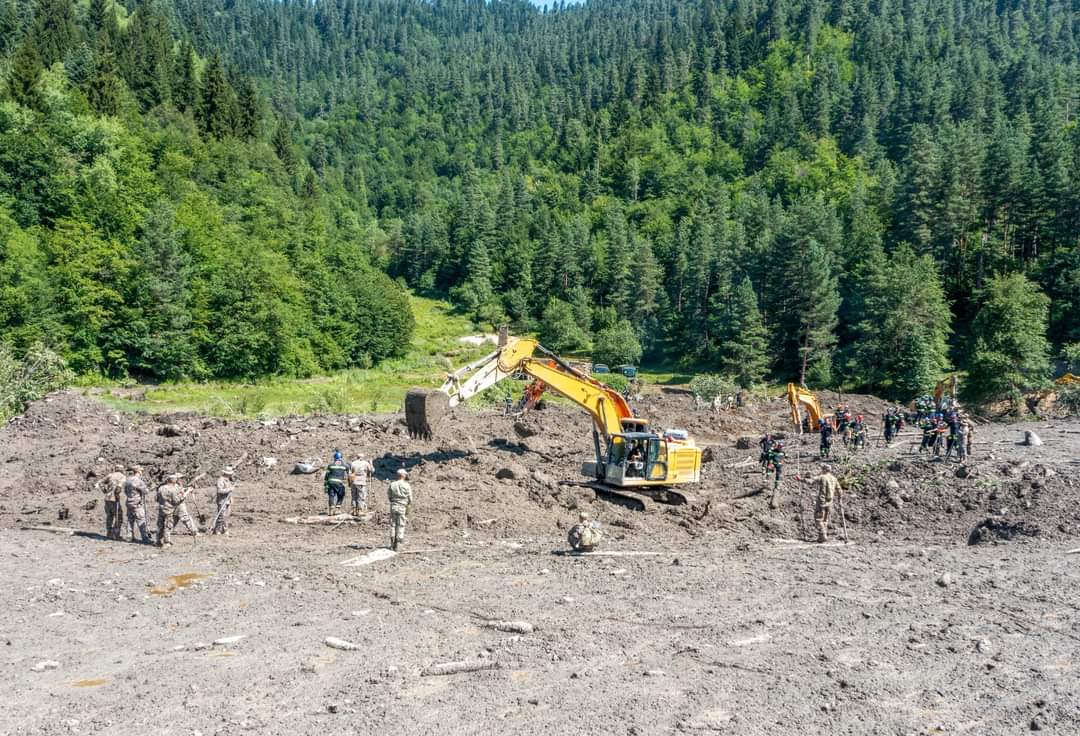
point(171, 499)
point(828, 490)
point(226, 485)
point(360, 473)
point(135, 491)
point(585, 535)
point(400, 494)
point(113, 487)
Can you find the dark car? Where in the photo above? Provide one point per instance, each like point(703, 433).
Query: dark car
point(628, 370)
point(600, 368)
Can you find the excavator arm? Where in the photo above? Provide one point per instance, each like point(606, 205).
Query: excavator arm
point(424, 408)
point(799, 399)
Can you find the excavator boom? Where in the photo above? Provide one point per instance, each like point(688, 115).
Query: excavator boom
point(632, 456)
point(802, 399)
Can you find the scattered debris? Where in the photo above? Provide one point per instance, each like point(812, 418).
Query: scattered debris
point(335, 643)
point(455, 668)
point(48, 664)
point(513, 627)
point(999, 530)
point(226, 640)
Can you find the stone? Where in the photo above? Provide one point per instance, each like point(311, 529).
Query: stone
point(945, 580)
point(708, 454)
point(1032, 440)
point(510, 472)
point(170, 430)
point(48, 664)
point(745, 442)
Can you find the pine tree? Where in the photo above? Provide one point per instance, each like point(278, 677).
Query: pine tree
point(217, 104)
point(105, 89)
point(97, 16)
point(54, 30)
point(283, 145)
point(25, 74)
point(741, 337)
point(247, 104)
point(9, 25)
point(185, 84)
point(1010, 352)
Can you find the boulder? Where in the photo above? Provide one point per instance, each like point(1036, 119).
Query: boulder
point(510, 472)
point(1031, 439)
point(708, 454)
point(745, 442)
point(170, 430)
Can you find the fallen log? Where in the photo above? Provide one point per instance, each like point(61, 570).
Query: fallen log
point(53, 529)
point(323, 520)
point(456, 668)
point(1073, 551)
point(335, 643)
point(612, 553)
point(513, 627)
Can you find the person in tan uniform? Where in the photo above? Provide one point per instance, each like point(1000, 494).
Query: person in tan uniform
point(172, 508)
point(112, 486)
point(226, 486)
point(828, 491)
point(135, 491)
point(401, 495)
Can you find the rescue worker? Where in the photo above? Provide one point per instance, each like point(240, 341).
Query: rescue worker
point(585, 535)
point(969, 436)
point(226, 486)
point(334, 481)
point(635, 463)
point(939, 431)
point(401, 495)
point(826, 439)
point(171, 498)
point(135, 491)
point(776, 461)
point(858, 432)
point(360, 473)
point(765, 443)
point(891, 422)
point(958, 440)
point(927, 427)
point(828, 490)
point(112, 486)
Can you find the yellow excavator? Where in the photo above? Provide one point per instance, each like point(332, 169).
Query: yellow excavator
point(633, 463)
point(801, 400)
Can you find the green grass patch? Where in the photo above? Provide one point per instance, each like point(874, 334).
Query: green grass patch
point(434, 350)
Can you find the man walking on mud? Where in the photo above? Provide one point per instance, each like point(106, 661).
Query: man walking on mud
point(135, 491)
point(360, 473)
point(171, 498)
point(400, 494)
point(113, 488)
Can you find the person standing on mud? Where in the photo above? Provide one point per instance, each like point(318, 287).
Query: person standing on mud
point(400, 494)
point(826, 431)
point(776, 461)
point(171, 498)
point(828, 490)
point(113, 488)
point(334, 481)
point(226, 486)
point(135, 491)
point(360, 473)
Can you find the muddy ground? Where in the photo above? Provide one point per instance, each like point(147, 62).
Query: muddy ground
point(733, 623)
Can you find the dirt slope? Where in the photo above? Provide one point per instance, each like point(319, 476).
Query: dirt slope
point(731, 625)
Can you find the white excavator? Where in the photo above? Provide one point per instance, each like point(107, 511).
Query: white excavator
point(633, 464)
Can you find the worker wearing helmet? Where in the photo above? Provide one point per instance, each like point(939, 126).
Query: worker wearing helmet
point(334, 482)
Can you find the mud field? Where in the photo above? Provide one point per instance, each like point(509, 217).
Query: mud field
point(955, 607)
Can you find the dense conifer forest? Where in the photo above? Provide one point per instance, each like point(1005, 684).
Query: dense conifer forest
point(866, 192)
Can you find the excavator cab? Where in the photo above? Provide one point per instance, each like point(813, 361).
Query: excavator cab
point(635, 458)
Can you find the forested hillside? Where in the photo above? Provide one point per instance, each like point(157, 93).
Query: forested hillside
point(867, 191)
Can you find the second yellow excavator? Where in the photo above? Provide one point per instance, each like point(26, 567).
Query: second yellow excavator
point(801, 400)
point(632, 462)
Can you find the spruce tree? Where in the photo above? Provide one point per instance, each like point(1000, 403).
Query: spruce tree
point(1010, 353)
point(217, 105)
point(97, 16)
point(283, 145)
point(25, 74)
point(105, 89)
point(247, 103)
point(54, 30)
point(185, 84)
point(741, 338)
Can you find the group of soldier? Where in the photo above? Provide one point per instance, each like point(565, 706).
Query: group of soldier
point(356, 476)
point(126, 493)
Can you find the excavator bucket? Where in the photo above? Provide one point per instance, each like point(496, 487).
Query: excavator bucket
point(423, 410)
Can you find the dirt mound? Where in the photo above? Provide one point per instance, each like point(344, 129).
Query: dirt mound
point(508, 473)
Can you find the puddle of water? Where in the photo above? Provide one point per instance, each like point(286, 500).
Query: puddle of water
point(96, 682)
point(178, 582)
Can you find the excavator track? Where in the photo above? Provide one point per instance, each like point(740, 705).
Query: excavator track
point(642, 498)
